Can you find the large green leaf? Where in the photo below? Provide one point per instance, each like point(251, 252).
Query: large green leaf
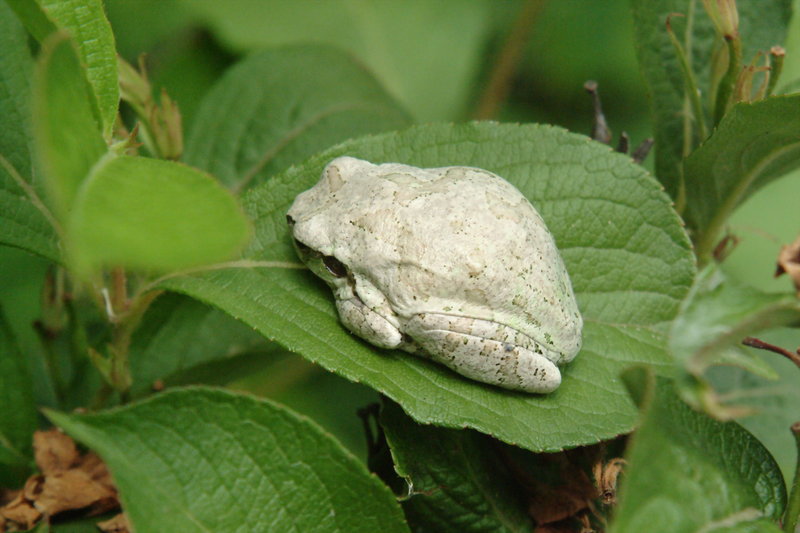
point(689, 473)
point(208, 460)
point(177, 334)
point(86, 23)
point(426, 53)
point(280, 106)
point(155, 215)
point(19, 418)
point(754, 144)
point(763, 24)
point(23, 217)
point(624, 248)
point(456, 481)
point(67, 135)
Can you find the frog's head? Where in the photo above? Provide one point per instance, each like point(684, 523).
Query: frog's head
point(335, 177)
point(315, 214)
point(308, 249)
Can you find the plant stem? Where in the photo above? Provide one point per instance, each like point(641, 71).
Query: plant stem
point(241, 263)
point(50, 328)
point(777, 54)
point(500, 78)
point(728, 81)
point(761, 345)
point(52, 363)
point(793, 505)
point(101, 397)
point(121, 341)
point(119, 290)
point(692, 92)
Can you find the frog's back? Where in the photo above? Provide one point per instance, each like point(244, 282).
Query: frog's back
point(464, 241)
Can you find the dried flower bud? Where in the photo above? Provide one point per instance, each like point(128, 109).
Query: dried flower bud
point(724, 15)
point(134, 85)
point(167, 130)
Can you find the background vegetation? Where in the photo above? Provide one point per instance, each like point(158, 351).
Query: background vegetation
point(414, 62)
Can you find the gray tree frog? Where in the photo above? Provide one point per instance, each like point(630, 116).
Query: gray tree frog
point(449, 263)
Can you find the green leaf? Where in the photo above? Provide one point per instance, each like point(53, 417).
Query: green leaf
point(143, 25)
point(86, 23)
point(208, 460)
point(627, 255)
point(756, 526)
point(153, 215)
point(754, 144)
point(762, 25)
point(718, 312)
point(67, 135)
point(33, 17)
point(456, 481)
point(42, 527)
point(82, 525)
point(178, 334)
point(24, 220)
point(774, 401)
point(427, 54)
point(278, 107)
point(687, 473)
point(738, 357)
point(19, 417)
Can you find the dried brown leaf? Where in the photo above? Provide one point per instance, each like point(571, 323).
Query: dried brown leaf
point(789, 263)
point(54, 451)
point(551, 502)
point(19, 514)
point(7, 496)
point(555, 528)
point(605, 476)
point(33, 487)
point(69, 482)
point(75, 489)
point(115, 524)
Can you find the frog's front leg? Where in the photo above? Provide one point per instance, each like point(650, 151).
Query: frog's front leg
point(367, 324)
point(485, 351)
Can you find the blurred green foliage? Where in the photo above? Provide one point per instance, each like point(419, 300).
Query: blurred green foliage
point(189, 44)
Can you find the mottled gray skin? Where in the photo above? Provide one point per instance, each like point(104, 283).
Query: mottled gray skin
point(451, 263)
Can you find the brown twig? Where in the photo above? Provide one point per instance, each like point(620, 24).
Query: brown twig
point(641, 151)
point(600, 130)
point(761, 345)
point(504, 68)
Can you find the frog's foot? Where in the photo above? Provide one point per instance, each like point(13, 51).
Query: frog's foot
point(367, 324)
point(457, 342)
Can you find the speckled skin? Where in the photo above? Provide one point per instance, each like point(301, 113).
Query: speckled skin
point(452, 263)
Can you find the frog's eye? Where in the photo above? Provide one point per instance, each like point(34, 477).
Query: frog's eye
point(334, 266)
point(290, 221)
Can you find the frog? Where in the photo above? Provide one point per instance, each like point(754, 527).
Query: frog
point(453, 264)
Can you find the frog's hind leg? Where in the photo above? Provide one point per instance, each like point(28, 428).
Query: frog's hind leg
point(484, 351)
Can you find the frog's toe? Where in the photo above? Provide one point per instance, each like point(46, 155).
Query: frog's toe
point(367, 324)
point(536, 373)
